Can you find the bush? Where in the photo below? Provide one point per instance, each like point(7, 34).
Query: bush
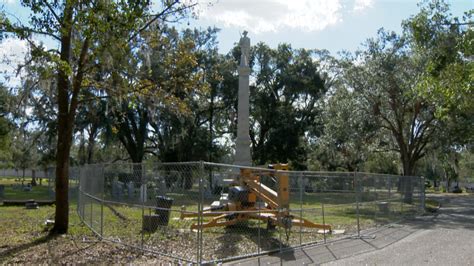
point(427, 184)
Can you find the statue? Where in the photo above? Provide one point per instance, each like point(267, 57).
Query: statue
point(245, 49)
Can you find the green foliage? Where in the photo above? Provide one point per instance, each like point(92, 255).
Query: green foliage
point(284, 102)
point(385, 79)
point(166, 107)
point(446, 46)
point(466, 166)
point(84, 30)
point(382, 162)
point(5, 126)
point(347, 132)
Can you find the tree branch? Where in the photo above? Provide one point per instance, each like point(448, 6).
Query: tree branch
point(158, 16)
point(58, 19)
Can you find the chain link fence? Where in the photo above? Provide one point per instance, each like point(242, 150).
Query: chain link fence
point(19, 185)
point(201, 212)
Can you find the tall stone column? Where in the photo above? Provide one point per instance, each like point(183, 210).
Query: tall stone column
point(242, 143)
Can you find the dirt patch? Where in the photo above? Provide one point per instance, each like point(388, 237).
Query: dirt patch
point(25, 240)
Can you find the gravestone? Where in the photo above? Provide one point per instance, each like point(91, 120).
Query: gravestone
point(162, 187)
point(384, 207)
point(143, 193)
point(27, 188)
point(130, 189)
point(117, 190)
point(52, 193)
point(31, 204)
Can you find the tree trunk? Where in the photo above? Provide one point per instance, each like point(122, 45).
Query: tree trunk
point(407, 182)
point(33, 177)
point(62, 156)
point(61, 220)
point(91, 143)
point(62, 171)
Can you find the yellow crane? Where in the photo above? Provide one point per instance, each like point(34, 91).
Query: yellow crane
point(242, 202)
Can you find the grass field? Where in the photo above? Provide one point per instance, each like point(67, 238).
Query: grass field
point(340, 211)
point(25, 240)
point(15, 190)
point(123, 223)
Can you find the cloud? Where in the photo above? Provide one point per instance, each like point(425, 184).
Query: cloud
point(272, 15)
point(360, 5)
point(12, 53)
point(8, 2)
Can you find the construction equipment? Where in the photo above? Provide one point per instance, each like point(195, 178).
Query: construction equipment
point(241, 202)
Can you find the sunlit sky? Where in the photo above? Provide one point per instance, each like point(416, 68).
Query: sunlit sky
point(334, 25)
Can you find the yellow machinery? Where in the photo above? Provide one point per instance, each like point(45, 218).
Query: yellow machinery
point(242, 203)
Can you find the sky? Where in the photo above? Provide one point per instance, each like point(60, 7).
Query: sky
point(334, 25)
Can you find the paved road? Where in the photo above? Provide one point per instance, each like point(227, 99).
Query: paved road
point(445, 239)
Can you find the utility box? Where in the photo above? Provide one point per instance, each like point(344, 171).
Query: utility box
point(164, 209)
point(150, 223)
point(238, 194)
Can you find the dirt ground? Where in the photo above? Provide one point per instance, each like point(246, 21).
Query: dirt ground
point(25, 240)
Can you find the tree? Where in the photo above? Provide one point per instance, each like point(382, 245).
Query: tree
point(5, 125)
point(82, 30)
point(24, 152)
point(284, 103)
point(446, 44)
point(386, 78)
point(348, 133)
point(162, 92)
point(91, 122)
point(191, 135)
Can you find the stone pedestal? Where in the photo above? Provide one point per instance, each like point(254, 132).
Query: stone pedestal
point(242, 143)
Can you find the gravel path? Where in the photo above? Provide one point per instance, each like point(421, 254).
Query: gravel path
point(444, 239)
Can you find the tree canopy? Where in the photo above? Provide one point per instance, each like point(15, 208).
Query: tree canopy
point(122, 83)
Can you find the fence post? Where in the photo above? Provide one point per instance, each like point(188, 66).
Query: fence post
point(143, 199)
point(422, 194)
point(259, 221)
point(279, 213)
point(376, 197)
point(92, 220)
point(402, 188)
point(301, 207)
point(324, 219)
point(200, 208)
point(102, 202)
point(357, 203)
point(79, 191)
point(389, 187)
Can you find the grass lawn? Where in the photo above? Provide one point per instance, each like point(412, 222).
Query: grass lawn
point(14, 190)
point(26, 240)
point(220, 242)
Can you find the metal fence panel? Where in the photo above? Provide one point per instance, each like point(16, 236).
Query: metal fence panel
point(204, 212)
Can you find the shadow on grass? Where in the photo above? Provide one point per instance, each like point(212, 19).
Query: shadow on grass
point(11, 252)
point(261, 237)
